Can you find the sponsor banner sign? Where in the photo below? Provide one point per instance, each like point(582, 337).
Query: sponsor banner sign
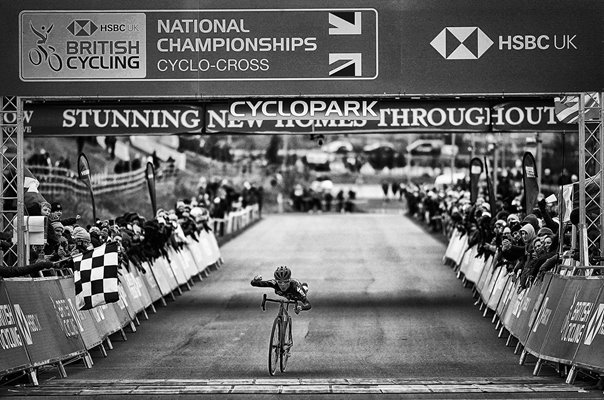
point(529, 180)
point(529, 309)
point(543, 320)
point(591, 346)
point(518, 314)
point(476, 168)
point(231, 49)
point(139, 286)
point(84, 319)
point(330, 115)
point(82, 119)
point(12, 346)
point(132, 293)
point(49, 329)
point(165, 277)
point(189, 45)
point(290, 116)
point(506, 295)
point(150, 280)
point(571, 319)
point(498, 286)
point(487, 274)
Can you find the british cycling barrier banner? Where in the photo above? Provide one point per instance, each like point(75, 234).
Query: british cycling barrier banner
point(486, 275)
point(132, 293)
point(475, 268)
point(571, 317)
point(48, 327)
point(543, 320)
point(151, 282)
point(523, 318)
point(498, 287)
point(490, 288)
point(85, 321)
point(165, 278)
point(13, 356)
point(177, 268)
point(505, 295)
point(142, 287)
point(591, 345)
point(558, 318)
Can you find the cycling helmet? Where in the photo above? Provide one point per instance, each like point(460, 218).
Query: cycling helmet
point(283, 273)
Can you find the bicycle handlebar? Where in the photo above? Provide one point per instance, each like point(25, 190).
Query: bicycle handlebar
point(265, 299)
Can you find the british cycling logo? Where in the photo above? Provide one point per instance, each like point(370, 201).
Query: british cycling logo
point(461, 43)
point(44, 52)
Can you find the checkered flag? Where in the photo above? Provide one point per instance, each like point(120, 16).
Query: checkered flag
point(95, 276)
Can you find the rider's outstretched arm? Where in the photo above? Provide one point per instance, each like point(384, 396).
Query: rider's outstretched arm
point(258, 282)
point(306, 305)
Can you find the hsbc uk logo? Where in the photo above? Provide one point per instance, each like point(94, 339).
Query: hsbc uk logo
point(461, 43)
point(82, 27)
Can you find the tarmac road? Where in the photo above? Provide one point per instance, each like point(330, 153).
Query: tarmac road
point(387, 317)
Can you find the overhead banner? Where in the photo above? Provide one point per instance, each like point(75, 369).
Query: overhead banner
point(94, 119)
point(358, 115)
point(216, 49)
point(291, 116)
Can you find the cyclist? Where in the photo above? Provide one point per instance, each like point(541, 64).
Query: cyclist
point(285, 286)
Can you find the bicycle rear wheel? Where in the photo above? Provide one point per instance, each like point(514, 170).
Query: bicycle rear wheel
point(286, 344)
point(274, 346)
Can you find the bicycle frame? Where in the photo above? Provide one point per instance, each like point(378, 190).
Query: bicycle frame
point(280, 345)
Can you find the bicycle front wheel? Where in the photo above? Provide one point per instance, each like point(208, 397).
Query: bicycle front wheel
point(274, 347)
point(287, 343)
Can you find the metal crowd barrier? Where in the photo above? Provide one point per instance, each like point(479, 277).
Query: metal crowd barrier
point(40, 325)
point(557, 319)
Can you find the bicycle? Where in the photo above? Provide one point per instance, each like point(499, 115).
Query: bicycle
point(281, 341)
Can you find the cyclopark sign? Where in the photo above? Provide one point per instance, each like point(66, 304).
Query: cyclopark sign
point(291, 116)
point(226, 49)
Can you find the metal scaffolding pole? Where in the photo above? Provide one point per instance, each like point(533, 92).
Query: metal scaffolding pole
point(591, 178)
point(11, 187)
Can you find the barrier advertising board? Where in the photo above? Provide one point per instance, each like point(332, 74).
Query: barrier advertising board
point(85, 322)
point(240, 48)
point(526, 315)
point(572, 316)
point(12, 350)
point(591, 346)
point(48, 327)
point(543, 320)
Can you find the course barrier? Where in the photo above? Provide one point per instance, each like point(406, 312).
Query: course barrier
point(557, 319)
point(40, 324)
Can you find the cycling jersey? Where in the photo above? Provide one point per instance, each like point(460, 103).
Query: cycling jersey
point(293, 292)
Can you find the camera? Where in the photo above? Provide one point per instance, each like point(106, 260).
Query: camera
point(318, 138)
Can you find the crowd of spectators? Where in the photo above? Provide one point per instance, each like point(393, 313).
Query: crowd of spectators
point(139, 239)
point(526, 243)
point(318, 197)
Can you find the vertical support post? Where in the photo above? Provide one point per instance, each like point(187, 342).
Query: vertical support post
point(601, 180)
point(453, 159)
point(583, 256)
point(539, 157)
point(494, 180)
point(21, 261)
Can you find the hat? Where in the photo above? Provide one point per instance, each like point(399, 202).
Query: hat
point(545, 231)
point(533, 220)
point(56, 206)
point(57, 224)
point(80, 233)
point(68, 228)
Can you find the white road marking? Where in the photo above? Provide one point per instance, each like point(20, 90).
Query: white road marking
point(92, 387)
